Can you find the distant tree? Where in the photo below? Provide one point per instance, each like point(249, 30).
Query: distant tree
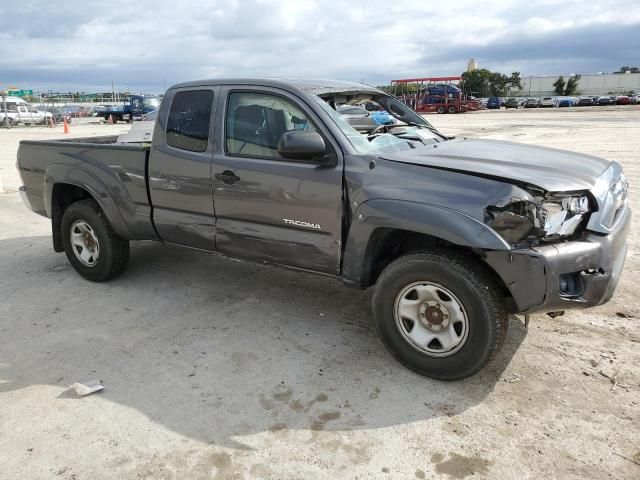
point(559, 85)
point(385, 88)
point(572, 85)
point(627, 68)
point(515, 81)
point(483, 82)
point(399, 88)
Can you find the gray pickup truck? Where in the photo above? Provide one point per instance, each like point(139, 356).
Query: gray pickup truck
point(453, 235)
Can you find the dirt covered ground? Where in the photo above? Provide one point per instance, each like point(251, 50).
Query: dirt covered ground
point(222, 369)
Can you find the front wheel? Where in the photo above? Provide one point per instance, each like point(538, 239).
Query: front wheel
point(90, 243)
point(441, 110)
point(440, 314)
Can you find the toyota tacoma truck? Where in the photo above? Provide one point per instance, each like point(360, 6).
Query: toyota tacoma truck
point(452, 235)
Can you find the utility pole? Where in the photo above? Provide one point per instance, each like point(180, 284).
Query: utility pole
point(3, 94)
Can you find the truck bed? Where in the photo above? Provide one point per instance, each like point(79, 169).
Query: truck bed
point(115, 173)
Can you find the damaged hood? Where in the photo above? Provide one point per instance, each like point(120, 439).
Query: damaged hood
point(550, 169)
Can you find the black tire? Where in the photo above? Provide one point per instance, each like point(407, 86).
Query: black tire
point(452, 110)
point(441, 110)
point(476, 290)
point(113, 250)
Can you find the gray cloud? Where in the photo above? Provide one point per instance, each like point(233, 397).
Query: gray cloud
point(84, 45)
point(589, 48)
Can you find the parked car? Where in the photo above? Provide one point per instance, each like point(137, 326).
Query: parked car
point(365, 120)
point(493, 103)
point(635, 98)
point(546, 102)
point(452, 239)
point(585, 102)
point(604, 100)
point(57, 113)
point(358, 117)
point(623, 100)
point(511, 103)
point(565, 102)
point(76, 111)
point(531, 103)
point(30, 115)
point(20, 111)
point(132, 109)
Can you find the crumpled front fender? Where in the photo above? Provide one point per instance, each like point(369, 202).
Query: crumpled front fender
point(436, 221)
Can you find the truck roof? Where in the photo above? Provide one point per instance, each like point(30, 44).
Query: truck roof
point(16, 100)
point(317, 86)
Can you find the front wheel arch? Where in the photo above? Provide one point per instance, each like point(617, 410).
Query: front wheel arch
point(431, 225)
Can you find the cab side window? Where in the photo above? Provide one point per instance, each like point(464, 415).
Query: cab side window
point(189, 120)
point(256, 121)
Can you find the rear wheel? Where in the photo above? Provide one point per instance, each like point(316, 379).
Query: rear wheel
point(439, 314)
point(452, 110)
point(441, 110)
point(90, 243)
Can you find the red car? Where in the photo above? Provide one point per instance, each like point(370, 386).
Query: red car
point(623, 100)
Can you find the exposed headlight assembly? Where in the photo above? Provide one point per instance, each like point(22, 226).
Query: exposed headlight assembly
point(546, 218)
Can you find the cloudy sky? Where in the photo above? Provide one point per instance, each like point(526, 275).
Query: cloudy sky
point(145, 44)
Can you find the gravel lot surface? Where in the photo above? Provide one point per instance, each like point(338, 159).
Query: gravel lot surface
point(223, 369)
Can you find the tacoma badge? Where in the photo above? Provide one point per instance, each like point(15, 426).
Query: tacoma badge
point(301, 223)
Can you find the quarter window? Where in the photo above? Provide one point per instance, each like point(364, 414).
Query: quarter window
point(189, 120)
point(256, 121)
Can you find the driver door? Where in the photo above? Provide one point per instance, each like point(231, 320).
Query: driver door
point(267, 207)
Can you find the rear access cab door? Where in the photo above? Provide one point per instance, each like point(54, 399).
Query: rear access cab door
point(286, 211)
point(179, 172)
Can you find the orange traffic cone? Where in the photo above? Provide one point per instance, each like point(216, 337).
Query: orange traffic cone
point(66, 126)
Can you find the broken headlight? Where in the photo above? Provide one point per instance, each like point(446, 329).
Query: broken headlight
point(542, 217)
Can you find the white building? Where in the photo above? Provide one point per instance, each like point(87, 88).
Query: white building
point(603, 84)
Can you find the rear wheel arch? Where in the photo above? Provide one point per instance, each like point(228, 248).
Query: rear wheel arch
point(62, 194)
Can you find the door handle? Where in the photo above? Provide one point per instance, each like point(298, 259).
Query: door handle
point(227, 177)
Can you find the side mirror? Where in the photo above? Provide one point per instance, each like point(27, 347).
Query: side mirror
point(301, 145)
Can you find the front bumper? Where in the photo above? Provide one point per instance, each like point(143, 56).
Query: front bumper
point(593, 264)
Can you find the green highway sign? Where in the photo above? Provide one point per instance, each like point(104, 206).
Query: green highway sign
point(20, 93)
